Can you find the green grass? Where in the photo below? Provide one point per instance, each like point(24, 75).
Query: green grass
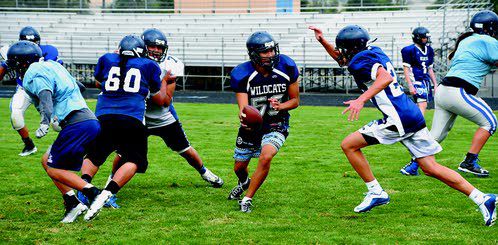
point(308, 197)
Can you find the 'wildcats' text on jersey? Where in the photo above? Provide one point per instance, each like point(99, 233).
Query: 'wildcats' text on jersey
point(245, 79)
point(127, 98)
point(398, 109)
point(419, 60)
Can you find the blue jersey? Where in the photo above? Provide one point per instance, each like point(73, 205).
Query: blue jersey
point(245, 79)
point(49, 52)
point(474, 58)
point(419, 60)
point(396, 107)
point(52, 76)
point(127, 98)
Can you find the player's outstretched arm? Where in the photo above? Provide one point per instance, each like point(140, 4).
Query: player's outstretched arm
point(160, 97)
point(242, 101)
point(407, 71)
point(329, 47)
point(293, 101)
point(170, 87)
point(46, 108)
point(433, 78)
point(383, 79)
point(3, 70)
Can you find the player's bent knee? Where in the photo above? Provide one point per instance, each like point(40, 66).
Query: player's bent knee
point(17, 119)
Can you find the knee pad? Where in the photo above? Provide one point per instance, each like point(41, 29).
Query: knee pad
point(17, 119)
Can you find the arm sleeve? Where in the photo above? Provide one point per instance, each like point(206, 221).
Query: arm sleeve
point(364, 69)
point(98, 70)
point(491, 49)
point(237, 81)
point(46, 106)
point(154, 78)
point(292, 71)
point(406, 56)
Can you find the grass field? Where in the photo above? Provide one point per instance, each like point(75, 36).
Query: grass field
point(308, 197)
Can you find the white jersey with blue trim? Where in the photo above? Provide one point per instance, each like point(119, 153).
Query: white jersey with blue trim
point(159, 116)
point(397, 108)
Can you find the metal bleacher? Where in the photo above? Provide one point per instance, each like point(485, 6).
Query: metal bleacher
point(219, 39)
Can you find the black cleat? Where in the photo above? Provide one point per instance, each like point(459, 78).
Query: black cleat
point(473, 168)
point(238, 190)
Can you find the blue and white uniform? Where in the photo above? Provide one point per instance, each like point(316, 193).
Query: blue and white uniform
point(245, 79)
point(473, 60)
point(20, 101)
point(79, 125)
point(420, 61)
point(163, 121)
point(402, 119)
point(121, 108)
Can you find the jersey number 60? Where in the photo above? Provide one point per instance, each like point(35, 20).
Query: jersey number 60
point(112, 83)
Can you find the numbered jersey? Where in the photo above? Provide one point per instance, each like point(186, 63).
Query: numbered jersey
point(126, 97)
point(159, 116)
point(245, 79)
point(397, 108)
point(419, 60)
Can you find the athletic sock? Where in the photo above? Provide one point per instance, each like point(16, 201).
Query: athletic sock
point(90, 191)
point(113, 187)
point(28, 141)
point(87, 178)
point(245, 199)
point(471, 157)
point(477, 196)
point(70, 198)
point(202, 170)
point(245, 182)
point(374, 186)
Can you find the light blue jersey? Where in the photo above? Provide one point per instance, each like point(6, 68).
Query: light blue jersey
point(52, 76)
point(474, 58)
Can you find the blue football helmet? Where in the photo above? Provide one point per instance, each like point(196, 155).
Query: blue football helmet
point(29, 33)
point(419, 33)
point(485, 22)
point(155, 37)
point(131, 46)
point(259, 42)
point(22, 54)
point(351, 40)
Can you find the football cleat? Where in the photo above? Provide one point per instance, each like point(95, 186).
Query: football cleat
point(83, 199)
point(410, 169)
point(28, 150)
point(372, 200)
point(237, 191)
point(245, 206)
point(73, 211)
point(473, 167)
point(212, 179)
point(488, 209)
point(111, 203)
point(97, 204)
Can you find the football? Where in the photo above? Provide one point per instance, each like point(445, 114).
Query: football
point(253, 119)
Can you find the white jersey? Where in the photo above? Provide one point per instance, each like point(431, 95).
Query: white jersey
point(159, 116)
point(3, 52)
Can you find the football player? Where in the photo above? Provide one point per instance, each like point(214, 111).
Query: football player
point(21, 101)
point(270, 83)
point(163, 121)
point(126, 79)
point(55, 90)
point(418, 60)
point(402, 122)
point(475, 54)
